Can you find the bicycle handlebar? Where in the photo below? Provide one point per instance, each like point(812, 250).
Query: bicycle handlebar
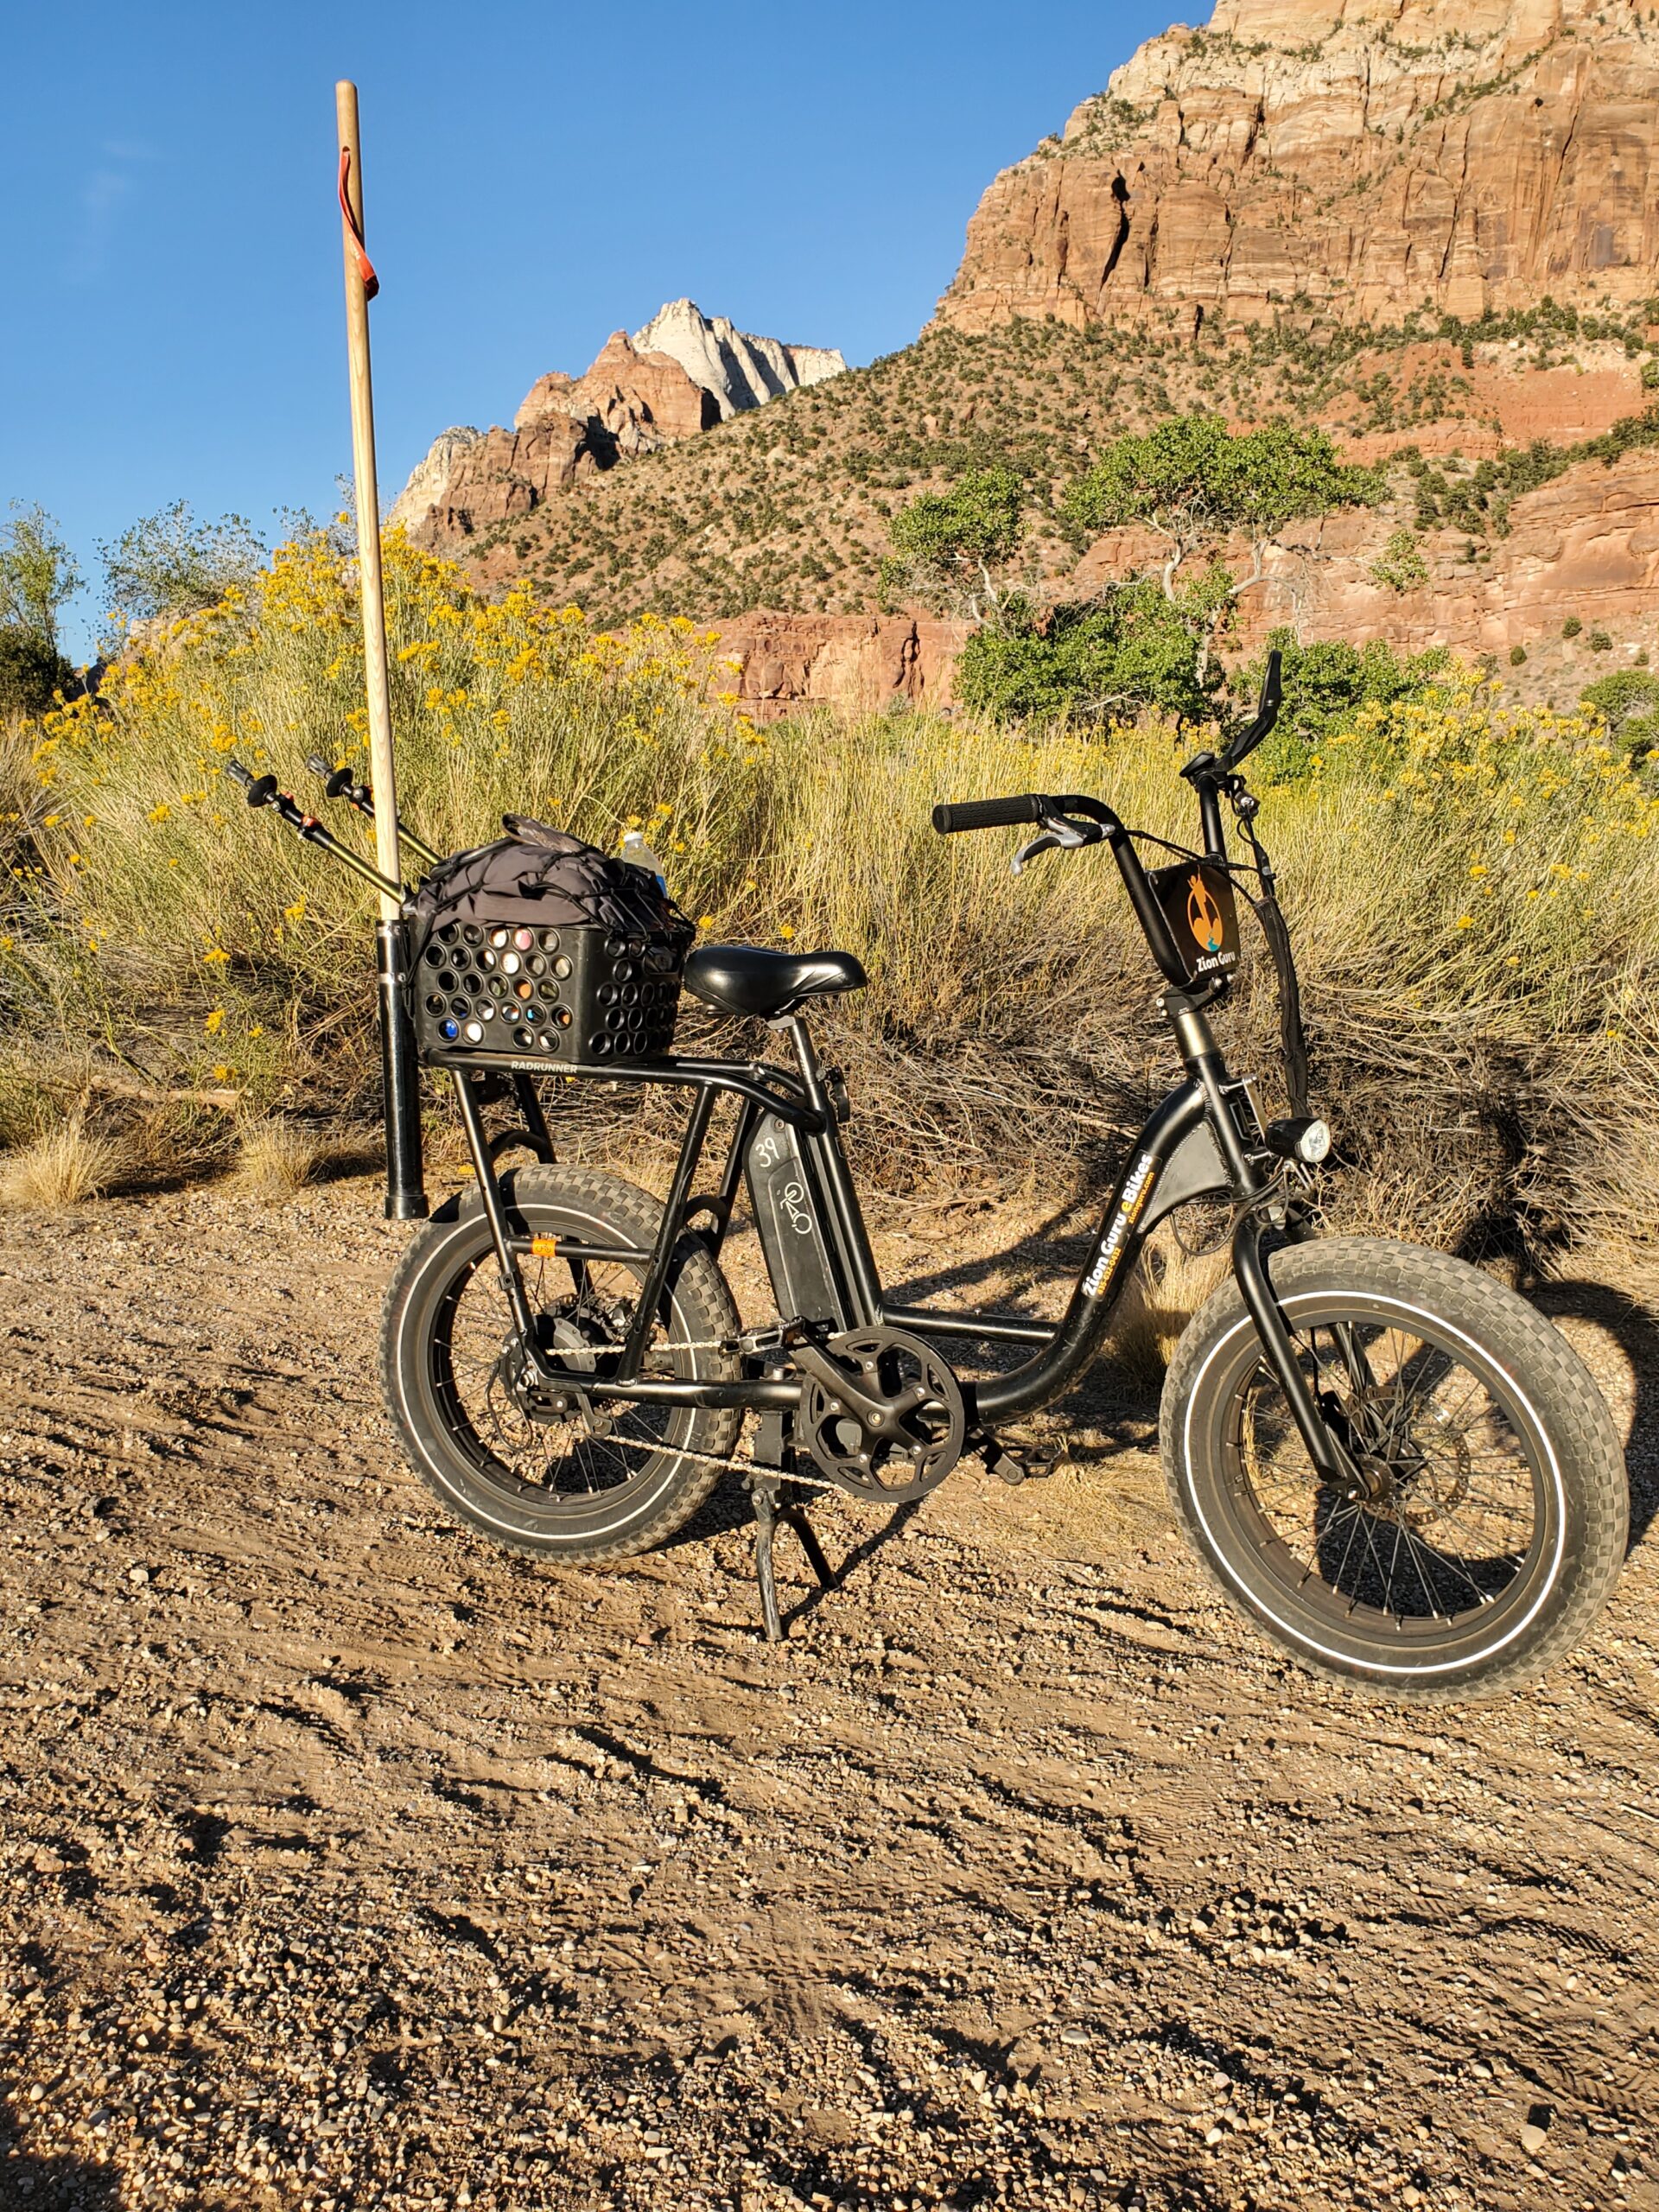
point(1037, 806)
point(949, 820)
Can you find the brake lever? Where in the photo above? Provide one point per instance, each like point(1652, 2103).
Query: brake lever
point(1045, 843)
point(1059, 831)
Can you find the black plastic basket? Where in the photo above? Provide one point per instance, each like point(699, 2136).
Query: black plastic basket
point(504, 990)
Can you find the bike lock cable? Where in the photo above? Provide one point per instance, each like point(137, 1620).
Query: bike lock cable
point(1292, 1034)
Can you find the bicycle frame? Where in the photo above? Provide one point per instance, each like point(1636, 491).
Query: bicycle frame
point(1205, 1141)
point(1192, 1147)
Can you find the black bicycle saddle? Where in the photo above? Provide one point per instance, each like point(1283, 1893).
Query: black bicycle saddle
point(749, 979)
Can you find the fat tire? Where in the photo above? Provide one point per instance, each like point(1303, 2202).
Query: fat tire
point(621, 1523)
point(1588, 1486)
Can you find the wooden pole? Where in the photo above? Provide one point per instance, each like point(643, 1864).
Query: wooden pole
point(381, 773)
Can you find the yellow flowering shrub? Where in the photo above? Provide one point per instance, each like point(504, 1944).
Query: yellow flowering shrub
point(1472, 889)
point(499, 707)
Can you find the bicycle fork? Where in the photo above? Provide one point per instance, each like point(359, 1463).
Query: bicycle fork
point(1332, 1460)
point(1328, 1451)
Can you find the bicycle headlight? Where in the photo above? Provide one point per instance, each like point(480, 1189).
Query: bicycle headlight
point(1300, 1138)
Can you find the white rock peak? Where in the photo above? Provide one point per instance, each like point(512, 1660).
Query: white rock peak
point(741, 370)
point(430, 476)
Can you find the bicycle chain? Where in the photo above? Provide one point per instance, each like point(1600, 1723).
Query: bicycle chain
point(711, 1459)
point(707, 1458)
point(714, 1460)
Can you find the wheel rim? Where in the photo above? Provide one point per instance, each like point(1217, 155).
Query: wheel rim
point(554, 1466)
point(1446, 1547)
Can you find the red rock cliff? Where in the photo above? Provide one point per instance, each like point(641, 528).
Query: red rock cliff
point(1370, 156)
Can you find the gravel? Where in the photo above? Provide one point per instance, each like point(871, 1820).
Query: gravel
point(350, 1862)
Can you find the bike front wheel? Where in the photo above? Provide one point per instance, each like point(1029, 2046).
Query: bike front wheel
point(1495, 1511)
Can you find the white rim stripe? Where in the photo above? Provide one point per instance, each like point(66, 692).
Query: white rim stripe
point(1300, 1636)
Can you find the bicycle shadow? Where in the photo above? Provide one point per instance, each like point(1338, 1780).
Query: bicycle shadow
point(1634, 1329)
point(1051, 1251)
point(730, 1511)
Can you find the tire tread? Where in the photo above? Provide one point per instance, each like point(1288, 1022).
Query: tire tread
point(1557, 1381)
point(699, 1285)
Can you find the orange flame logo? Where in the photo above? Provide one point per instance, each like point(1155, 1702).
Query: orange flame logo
point(1204, 915)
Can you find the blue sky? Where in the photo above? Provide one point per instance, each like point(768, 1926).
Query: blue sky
point(536, 177)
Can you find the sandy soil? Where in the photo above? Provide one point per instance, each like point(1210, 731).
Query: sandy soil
point(347, 1861)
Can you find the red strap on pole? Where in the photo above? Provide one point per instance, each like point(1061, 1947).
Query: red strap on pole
point(365, 266)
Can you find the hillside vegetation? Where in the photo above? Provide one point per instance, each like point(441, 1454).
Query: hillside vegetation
point(789, 507)
point(1472, 891)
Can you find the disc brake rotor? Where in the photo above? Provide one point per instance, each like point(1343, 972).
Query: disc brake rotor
point(1430, 1464)
point(573, 1339)
point(917, 1402)
point(1422, 1465)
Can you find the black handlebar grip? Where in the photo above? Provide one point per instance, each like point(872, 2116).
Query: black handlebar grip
point(989, 813)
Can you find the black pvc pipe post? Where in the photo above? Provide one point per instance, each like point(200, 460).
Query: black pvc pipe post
point(400, 1079)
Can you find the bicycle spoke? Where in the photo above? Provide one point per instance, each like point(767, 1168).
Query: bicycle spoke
point(1449, 1512)
point(581, 1303)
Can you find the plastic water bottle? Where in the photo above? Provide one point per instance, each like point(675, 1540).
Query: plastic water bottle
point(638, 854)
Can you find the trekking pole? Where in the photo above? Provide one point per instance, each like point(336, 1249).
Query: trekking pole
point(339, 783)
point(400, 1071)
point(264, 791)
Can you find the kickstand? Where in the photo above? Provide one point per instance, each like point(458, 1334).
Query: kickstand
point(769, 1510)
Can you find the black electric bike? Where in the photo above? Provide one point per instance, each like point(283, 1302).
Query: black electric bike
point(1390, 1463)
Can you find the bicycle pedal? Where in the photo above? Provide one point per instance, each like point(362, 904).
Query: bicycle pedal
point(780, 1335)
point(1014, 1464)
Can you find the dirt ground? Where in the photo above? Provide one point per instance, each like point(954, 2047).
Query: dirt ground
point(348, 1861)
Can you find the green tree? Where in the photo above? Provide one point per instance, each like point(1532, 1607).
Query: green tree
point(953, 548)
point(31, 669)
point(1628, 702)
point(1128, 649)
point(170, 563)
point(1194, 484)
point(1402, 567)
point(1325, 685)
point(37, 575)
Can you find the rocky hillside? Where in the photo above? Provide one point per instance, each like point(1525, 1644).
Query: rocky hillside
point(1426, 228)
point(679, 376)
point(1362, 157)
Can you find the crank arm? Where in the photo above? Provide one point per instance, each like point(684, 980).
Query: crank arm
point(883, 1417)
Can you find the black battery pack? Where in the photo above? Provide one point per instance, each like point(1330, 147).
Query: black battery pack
point(788, 1217)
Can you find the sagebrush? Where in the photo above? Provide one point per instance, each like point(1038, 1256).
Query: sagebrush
point(1472, 891)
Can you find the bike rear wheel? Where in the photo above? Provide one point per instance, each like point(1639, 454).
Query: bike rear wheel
point(568, 1486)
point(1495, 1515)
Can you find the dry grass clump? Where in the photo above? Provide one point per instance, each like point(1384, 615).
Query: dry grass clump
point(63, 1168)
point(274, 1159)
point(1473, 894)
point(1160, 1298)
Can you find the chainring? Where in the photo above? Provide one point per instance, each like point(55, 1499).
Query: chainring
point(917, 1393)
